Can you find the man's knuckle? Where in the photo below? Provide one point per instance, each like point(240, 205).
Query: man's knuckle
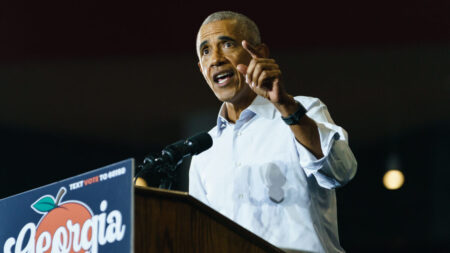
point(264, 74)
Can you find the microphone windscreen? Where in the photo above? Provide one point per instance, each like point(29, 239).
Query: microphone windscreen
point(201, 142)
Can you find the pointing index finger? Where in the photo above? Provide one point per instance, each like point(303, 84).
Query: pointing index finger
point(250, 49)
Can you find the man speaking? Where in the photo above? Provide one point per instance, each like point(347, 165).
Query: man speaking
point(275, 158)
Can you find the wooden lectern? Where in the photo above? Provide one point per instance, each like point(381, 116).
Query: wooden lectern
point(172, 221)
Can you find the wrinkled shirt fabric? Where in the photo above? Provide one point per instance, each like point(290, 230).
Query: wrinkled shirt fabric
point(258, 175)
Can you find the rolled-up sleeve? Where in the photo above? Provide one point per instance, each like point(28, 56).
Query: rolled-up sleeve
point(338, 166)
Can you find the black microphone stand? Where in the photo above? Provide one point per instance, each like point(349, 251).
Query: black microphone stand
point(157, 166)
point(166, 164)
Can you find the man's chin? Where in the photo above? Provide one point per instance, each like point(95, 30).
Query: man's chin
point(232, 92)
point(225, 93)
point(236, 98)
point(225, 97)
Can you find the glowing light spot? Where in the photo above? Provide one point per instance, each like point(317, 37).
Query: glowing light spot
point(141, 182)
point(393, 179)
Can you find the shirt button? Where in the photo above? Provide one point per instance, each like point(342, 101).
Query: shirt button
point(241, 196)
point(239, 133)
point(238, 164)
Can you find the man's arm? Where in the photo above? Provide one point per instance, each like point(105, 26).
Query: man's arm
point(264, 77)
point(338, 166)
point(305, 131)
point(332, 163)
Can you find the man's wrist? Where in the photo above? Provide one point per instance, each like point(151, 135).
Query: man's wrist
point(287, 106)
point(296, 117)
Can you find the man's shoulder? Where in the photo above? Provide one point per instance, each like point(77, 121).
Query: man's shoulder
point(205, 154)
point(213, 132)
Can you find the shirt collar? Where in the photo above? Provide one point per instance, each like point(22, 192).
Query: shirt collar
point(260, 106)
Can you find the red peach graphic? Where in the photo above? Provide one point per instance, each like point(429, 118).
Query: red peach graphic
point(58, 215)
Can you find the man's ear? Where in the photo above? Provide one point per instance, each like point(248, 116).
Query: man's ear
point(263, 50)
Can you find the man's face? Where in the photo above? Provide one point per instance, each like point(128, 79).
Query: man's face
point(219, 47)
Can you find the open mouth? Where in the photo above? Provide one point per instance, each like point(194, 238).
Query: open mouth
point(223, 77)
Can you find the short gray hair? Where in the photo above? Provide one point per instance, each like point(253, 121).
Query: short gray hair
point(248, 27)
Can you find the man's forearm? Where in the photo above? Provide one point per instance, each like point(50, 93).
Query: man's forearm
point(305, 131)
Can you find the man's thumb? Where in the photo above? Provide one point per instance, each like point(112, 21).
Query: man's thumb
point(242, 68)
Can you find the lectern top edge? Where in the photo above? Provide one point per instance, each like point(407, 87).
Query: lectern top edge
point(160, 192)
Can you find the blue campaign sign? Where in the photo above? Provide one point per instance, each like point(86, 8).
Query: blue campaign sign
point(92, 212)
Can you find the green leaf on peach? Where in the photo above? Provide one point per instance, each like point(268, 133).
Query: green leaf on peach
point(44, 204)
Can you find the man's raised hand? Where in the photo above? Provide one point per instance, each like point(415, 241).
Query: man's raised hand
point(262, 74)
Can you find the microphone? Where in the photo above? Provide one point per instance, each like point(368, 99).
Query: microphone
point(176, 152)
point(173, 155)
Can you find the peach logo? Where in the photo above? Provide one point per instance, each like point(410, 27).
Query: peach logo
point(67, 227)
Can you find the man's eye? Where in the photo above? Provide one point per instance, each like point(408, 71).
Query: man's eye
point(205, 51)
point(228, 44)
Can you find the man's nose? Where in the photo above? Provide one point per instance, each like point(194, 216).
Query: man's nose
point(217, 58)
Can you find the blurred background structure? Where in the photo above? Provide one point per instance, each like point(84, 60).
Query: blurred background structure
point(87, 83)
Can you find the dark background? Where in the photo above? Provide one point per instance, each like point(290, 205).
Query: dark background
point(88, 83)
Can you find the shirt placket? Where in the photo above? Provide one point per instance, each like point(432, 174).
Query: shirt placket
point(239, 155)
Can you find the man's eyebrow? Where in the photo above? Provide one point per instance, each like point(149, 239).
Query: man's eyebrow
point(226, 38)
point(202, 44)
point(223, 38)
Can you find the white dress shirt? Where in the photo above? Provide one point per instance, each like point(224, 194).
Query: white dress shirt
point(258, 175)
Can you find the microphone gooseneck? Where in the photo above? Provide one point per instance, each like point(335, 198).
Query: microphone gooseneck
point(172, 156)
point(176, 152)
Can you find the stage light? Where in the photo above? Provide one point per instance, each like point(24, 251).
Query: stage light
point(393, 179)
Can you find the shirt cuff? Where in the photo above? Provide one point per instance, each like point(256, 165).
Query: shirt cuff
point(308, 161)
